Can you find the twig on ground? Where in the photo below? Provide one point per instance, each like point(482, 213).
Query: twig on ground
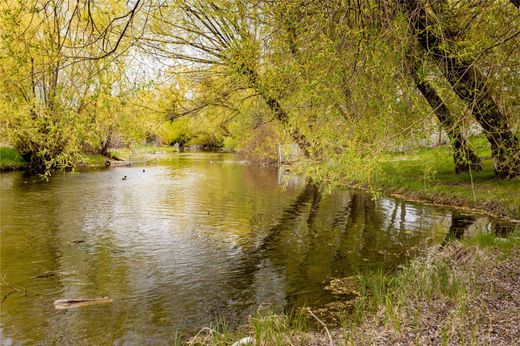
point(323, 324)
point(194, 339)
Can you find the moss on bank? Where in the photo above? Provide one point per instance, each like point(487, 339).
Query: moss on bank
point(463, 293)
point(10, 159)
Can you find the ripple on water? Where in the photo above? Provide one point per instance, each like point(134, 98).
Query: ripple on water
point(181, 244)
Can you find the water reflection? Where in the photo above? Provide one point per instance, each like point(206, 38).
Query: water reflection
point(459, 224)
point(182, 243)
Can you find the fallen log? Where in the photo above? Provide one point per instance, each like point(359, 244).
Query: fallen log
point(44, 275)
point(62, 304)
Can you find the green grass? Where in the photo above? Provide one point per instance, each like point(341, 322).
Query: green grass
point(265, 327)
point(428, 174)
point(141, 151)
point(490, 240)
point(10, 159)
point(93, 160)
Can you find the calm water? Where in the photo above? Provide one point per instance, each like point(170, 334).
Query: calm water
point(183, 243)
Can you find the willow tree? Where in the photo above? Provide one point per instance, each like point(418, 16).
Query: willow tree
point(464, 158)
point(220, 37)
point(346, 33)
point(364, 26)
point(468, 82)
point(50, 52)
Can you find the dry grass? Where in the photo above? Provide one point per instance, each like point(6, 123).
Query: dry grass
point(461, 295)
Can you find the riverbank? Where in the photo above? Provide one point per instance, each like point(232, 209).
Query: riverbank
point(427, 175)
point(127, 156)
point(10, 160)
point(424, 175)
point(466, 292)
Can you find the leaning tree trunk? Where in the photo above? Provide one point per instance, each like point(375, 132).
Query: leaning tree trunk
point(106, 143)
point(464, 158)
point(273, 104)
point(469, 84)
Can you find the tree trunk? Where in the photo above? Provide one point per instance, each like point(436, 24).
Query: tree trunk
point(469, 84)
point(464, 158)
point(35, 163)
point(273, 104)
point(106, 143)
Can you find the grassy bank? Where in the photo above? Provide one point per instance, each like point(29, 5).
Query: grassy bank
point(463, 293)
point(125, 156)
point(428, 175)
point(10, 159)
point(92, 160)
point(142, 152)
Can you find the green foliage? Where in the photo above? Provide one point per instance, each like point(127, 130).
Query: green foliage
point(208, 141)
point(52, 106)
point(335, 79)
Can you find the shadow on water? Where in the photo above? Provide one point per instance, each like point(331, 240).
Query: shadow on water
point(459, 225)
point(320, 237)
point(462, 224)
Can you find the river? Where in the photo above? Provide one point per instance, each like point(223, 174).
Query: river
point(179, 244)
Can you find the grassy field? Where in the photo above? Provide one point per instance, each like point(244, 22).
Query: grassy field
point(428, 175)
point(10, 159)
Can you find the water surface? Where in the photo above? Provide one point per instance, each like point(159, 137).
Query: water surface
point(182, 243)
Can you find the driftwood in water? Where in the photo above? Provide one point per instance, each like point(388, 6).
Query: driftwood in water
point(44, 275)
point(61, 304)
